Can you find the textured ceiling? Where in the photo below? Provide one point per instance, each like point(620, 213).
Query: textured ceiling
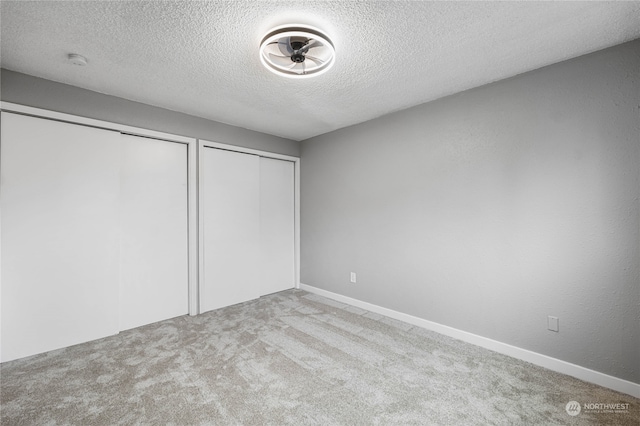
point(201, 57)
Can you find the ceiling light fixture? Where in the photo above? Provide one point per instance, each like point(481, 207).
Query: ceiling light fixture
point(297, 51)
point(76, 59)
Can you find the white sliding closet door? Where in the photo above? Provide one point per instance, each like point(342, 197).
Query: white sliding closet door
point(277, 218)
point(248, 226)
point(60, 236)
point(230, 189)
point(153, 221)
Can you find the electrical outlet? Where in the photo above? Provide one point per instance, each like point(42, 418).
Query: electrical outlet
point(353, 277)
point(553, 323)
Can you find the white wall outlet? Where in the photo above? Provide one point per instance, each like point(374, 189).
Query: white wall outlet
point(353, 277)
point(553, 323)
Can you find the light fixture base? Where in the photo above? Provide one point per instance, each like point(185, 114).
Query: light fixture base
point(76, 59)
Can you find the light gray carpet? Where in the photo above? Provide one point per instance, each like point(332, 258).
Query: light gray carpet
point(291, 358)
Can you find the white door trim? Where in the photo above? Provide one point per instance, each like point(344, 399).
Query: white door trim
point(192, 163)
point(76, 119)
point(296, 160)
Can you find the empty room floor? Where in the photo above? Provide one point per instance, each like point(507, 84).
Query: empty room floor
point(291, 358)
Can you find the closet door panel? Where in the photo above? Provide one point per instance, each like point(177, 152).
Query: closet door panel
point(231, 228)
point(60, 237)
point(153, 221)
point(277, 240)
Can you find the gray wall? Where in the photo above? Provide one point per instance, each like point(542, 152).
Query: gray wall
point(492, 209)
point(37, 92)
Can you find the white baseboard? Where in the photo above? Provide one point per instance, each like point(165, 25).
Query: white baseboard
point(545, 361)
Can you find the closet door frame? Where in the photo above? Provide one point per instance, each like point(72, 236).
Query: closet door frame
point(192, 176)
point(202, 145)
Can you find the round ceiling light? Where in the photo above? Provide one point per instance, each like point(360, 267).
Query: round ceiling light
point(297, 51)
